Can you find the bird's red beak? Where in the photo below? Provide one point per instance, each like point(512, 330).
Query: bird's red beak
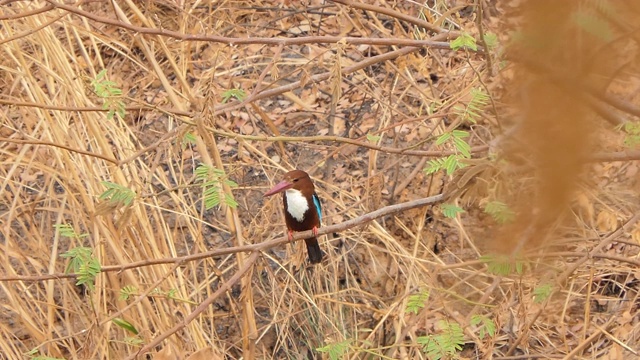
point(282, 186)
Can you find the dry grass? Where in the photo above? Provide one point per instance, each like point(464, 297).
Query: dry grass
point(311, 103)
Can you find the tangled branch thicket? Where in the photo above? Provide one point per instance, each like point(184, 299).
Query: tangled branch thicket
point(399, 112)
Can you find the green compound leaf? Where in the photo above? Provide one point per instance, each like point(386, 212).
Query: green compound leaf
point(542, 293)
point(212, 180)
point(464, 41)
point(450, 210)
point(233, 93)
point(126, 292)
point(449, 340)
point(336, 350)
point(415, 302)
point(84, 264)
point(491, 40)
point(117, 194)
point(486, 326)
point(500, 212)
point(503, 265)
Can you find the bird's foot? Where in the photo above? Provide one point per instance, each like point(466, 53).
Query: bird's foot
point(290, 235)
point(315, 231)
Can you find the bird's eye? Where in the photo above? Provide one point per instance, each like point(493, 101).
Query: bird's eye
point(295, 180)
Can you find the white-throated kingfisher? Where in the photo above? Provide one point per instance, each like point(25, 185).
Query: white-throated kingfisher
point(302, 209)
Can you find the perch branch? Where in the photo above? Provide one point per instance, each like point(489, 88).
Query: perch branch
point(360, 220)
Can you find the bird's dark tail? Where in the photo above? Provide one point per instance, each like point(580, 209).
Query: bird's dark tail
point(313, 248)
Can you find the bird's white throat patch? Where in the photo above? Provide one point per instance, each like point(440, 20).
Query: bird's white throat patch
point(297, 204)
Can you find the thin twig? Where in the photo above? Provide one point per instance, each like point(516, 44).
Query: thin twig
point(252, 40)
point(395, 14)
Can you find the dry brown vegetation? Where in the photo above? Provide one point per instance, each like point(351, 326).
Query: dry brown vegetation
point(356, 94)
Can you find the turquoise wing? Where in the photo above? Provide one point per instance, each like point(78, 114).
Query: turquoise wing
point(316, 202)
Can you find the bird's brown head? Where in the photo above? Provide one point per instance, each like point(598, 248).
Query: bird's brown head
point(296, 179)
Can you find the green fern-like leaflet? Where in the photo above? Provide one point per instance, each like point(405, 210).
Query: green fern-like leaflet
point(212, 182)
point(188, 139)
point(452, 162)
point(503, 265)
point(336, 350)
point(464, 41)
point(450, 210)
point(233, 93)
point(126, 292)
point(500, 212)
point(456, 137)
point(491, 40)
point(84, 264)
point(542, 293)
point(110, 93)
point(486, 326)
point(471, 112)
point(415, 302)
point(446, 343)
point(67, 230)
point(117, 194)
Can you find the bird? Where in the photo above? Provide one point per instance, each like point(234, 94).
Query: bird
point(302, 209)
